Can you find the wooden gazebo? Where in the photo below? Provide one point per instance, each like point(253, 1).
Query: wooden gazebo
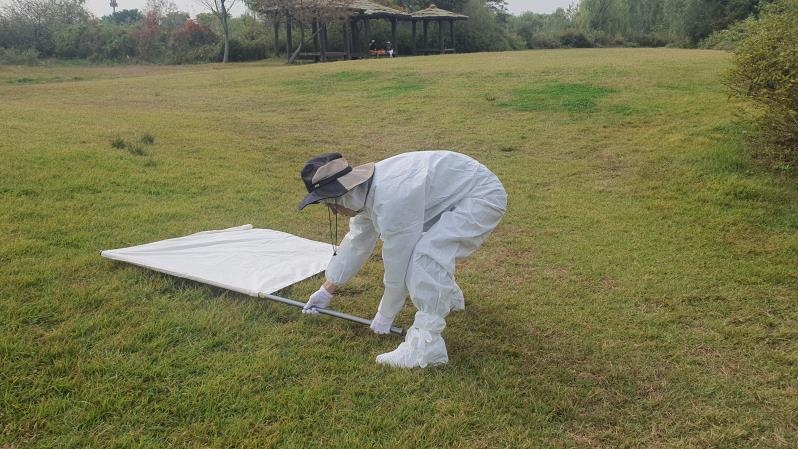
point(435, 14)
point(367, 10)
point(354, 16)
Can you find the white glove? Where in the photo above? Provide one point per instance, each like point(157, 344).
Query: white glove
point(380, 324)
point(319, 300)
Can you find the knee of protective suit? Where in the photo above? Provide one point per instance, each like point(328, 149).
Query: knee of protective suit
point(431, 286)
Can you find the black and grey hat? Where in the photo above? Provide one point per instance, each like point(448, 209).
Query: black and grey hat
point(330, 176)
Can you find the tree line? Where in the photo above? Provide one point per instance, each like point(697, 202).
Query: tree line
point(680, 23)
point(64, 29)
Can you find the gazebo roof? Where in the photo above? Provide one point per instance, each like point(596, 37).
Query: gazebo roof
point(371, 9)
point(360, 7)
point(433, 12)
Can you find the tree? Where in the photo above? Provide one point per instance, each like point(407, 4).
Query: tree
point(250, 39)
point(481, 32)
point(162, 8)
point(220, 9)
point(31, 23)
point(124, 17)
point(173, 21)
point(147, 36)
point(690, 21)
point(193, 42)
point(606, 16)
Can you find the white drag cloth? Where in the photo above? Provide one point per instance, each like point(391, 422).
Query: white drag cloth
point(243, 259)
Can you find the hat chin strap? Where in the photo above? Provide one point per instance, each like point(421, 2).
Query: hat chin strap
point(333, 240)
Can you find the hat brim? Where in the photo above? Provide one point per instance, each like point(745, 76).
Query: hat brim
point(340, 186)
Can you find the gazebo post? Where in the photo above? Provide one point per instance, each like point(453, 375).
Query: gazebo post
point(353, 25)
point(366, 32)
point(440, 35)
point(289, 42)
point(276, 35)
point(393, 35)
point(451, 31)
point(347, 44)
point(323, 42)
point(413, 38)
point(424, 26)
point(314, 30)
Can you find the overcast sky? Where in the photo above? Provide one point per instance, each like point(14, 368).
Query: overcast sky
point(101, 7)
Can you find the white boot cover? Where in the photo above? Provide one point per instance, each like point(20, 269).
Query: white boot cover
point(420, 349)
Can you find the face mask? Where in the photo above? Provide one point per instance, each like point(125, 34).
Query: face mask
point(354, 200)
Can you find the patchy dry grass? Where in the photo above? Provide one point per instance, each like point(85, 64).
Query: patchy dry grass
point(641, 291)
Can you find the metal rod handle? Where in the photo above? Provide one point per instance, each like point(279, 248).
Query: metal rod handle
point(330, 312)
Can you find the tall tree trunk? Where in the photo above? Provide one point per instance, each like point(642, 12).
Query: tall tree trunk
point(301, 40)
point(226, 31)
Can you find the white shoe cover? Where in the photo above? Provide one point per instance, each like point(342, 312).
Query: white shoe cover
point(419, 350)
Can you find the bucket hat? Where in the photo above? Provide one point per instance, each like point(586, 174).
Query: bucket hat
point(330, 176)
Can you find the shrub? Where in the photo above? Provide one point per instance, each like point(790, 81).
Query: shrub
point(147, 37)
point(729, 38)
point(765, 73)
point(118, 143)
point(12, 56)
point(543, 40)
point(136, 149)
point(147, 139)
point(653, 39)
point(575, 39)
point(193, 33)
point(193, 42)
point(245, 50)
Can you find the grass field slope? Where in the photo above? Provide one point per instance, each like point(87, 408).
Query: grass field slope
point(641, 292)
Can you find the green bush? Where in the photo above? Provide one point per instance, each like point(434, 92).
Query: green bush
point(729, 38)
point(247, 50)
point(118, 143)
point(765, 73)
point(543, 40)
point(147, 139)
point(12, 56)
point(575, 39)
point(95, 41)
point(193, 42)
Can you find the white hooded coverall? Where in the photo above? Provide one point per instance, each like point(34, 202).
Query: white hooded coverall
point(429, 208)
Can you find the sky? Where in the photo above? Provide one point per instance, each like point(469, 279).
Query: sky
point(101, 7)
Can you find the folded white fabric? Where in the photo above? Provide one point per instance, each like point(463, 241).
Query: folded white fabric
point(243, 259)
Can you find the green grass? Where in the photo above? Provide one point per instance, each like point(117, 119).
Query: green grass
point(640, 292)
point(575, 98)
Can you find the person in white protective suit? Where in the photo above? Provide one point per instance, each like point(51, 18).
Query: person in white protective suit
point(429, 208)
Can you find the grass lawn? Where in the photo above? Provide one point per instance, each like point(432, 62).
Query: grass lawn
point(642, 290)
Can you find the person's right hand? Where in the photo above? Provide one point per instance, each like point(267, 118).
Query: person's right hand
point(381, 324)
point(319, 300)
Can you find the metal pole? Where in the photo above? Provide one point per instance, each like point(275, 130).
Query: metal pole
point(330, 312)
